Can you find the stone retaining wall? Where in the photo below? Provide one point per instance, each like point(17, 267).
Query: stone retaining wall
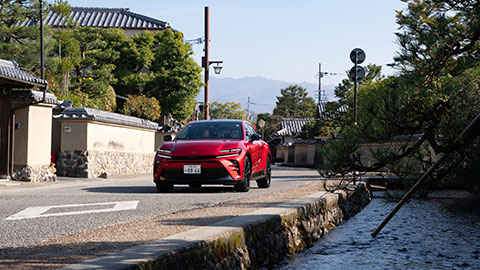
point(266, 240)
point(34, 173)
point(88, 164)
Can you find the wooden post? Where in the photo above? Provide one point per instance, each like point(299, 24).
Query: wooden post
point(5, 140)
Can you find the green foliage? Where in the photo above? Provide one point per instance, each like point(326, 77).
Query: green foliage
point(174, 78)
point(317, 129)
point(438, 38)
point(340, 155)
point(142, 106)
point(93, 72)
point(83, 64)
point(228, 110)
point(272, 124)
point(67, 55)
point(436, 94)
point(18, 43)
point(294, 103)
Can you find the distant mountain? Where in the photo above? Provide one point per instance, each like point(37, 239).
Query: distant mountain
point(263, 92)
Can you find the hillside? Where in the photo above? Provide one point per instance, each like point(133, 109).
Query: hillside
point(262, 91)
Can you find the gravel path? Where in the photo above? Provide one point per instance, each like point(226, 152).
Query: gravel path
point(87, 245)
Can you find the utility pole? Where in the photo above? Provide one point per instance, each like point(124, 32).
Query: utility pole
point(248, 108)
point(321, 94)
point(319, 83)
point(206, 63)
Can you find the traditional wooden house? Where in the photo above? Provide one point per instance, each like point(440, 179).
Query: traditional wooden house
point(25, 128)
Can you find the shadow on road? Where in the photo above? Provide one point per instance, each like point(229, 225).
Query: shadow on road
point(53, 256)
point(123, 189)
point(152, 189)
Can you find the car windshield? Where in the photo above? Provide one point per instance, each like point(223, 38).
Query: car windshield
point(211, 130)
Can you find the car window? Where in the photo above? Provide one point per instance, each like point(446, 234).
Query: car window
point(211, 130)
point(249, 131)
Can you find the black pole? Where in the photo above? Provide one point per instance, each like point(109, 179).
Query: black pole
point(42, 60)
point(206, 63)
point(409, 194)
point(355, 91)
point(42, 51)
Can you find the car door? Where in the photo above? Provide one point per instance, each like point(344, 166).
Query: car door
point(255, 148)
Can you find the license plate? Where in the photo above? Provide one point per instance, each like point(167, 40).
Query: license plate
point(192, 169)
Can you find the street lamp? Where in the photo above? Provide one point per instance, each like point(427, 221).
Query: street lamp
point(206, 63)
point(217, 68)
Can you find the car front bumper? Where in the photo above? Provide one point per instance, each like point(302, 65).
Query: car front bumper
point(215, 171)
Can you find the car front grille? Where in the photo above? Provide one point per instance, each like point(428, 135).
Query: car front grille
point(192, 157)
point(207, 173)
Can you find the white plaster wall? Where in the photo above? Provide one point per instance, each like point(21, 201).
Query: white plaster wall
point(39, 135)
point(33, 137)
point(107, 137)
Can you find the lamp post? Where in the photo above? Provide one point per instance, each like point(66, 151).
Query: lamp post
point(206, 63)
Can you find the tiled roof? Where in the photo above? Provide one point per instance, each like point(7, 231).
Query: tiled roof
point(11, 74)
point(292, 126)
point(103, 17)
point(327, 115)
point(107, 117)
point(33, 96)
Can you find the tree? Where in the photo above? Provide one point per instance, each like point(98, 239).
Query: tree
point(438, 38)
point(172, 76)
point(68, 54)
point(294, 103)
point(436, 94)
point(228, 110)
point(93, 74)
point(143, 107)
point(272, 123)
point(338, 114)
point(18, 42)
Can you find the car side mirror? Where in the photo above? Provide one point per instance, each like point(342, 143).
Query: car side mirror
point(167, 138)
point(256, 137)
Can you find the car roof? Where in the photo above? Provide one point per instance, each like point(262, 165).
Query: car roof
point(219, 120)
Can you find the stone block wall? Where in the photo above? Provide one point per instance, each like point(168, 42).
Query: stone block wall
point(90, 164)
point(34, 173)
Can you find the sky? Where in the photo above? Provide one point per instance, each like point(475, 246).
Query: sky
point(279, 39)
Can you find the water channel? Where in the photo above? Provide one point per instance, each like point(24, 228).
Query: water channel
point(424, 234)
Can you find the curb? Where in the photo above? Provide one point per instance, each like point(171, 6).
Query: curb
point(253, 240)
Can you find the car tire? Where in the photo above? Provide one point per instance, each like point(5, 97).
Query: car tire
point(244, 186)
point(265, 182)
point(164, 188)
point(195, 185)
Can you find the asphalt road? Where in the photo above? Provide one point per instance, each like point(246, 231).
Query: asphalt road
point(39, 212)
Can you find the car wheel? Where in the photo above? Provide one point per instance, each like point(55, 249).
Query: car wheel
point(164, 188)
point(195, 185)
point(244, 186)
point(265, 182)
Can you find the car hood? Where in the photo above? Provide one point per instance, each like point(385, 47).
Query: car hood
point(200, 147)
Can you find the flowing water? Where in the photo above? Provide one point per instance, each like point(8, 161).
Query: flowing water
point(424, 234)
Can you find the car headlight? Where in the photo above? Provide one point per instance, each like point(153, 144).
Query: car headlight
point(230, 152)
point(163, 153)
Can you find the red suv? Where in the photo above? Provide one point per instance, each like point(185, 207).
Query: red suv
point(227, 152)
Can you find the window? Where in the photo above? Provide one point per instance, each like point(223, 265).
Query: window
point(211, 130)
point(249, 131)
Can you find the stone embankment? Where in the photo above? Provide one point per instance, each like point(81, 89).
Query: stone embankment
point(251, 241)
